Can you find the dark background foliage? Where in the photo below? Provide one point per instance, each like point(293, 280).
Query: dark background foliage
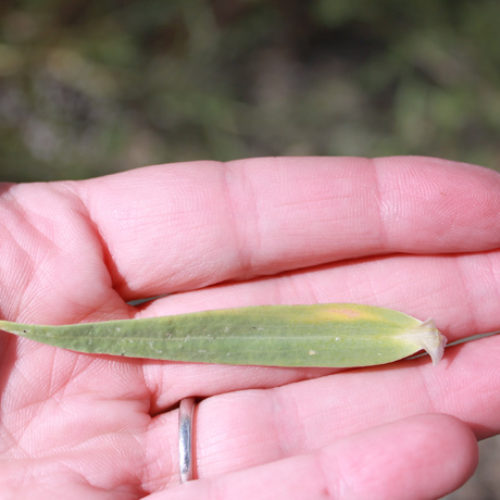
point(91, 87)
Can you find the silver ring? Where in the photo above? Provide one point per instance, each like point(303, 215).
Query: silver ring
point(186, 409)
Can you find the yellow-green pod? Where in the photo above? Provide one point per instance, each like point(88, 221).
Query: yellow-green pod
point(334, 335)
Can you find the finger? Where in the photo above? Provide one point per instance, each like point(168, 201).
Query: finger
point(460, 292)
point(175, 227)
point(420, 457)
point(247, 428)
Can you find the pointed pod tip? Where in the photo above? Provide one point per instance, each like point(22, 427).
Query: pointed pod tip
point(433, 341)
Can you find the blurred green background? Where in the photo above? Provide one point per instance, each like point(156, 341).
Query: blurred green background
point(91, 87)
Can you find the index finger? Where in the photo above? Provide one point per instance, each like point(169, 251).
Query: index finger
point(175, 227)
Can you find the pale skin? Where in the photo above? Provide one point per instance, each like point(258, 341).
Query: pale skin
point(414, 234)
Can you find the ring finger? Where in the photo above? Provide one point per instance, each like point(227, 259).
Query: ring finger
point(246, 428)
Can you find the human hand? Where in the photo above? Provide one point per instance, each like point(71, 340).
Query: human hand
point(418, 235)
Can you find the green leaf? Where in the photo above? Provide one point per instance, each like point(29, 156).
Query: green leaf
point(334, 335)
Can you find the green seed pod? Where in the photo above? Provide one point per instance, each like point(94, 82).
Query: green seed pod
point(334, 335)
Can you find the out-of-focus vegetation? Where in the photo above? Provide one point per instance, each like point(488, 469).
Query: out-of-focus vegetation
point(89, 87)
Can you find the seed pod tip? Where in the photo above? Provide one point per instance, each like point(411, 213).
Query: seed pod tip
point(433, 341)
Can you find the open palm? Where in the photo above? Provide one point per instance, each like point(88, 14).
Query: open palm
point(418, 235)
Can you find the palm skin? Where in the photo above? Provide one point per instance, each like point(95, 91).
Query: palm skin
point(415, 234)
